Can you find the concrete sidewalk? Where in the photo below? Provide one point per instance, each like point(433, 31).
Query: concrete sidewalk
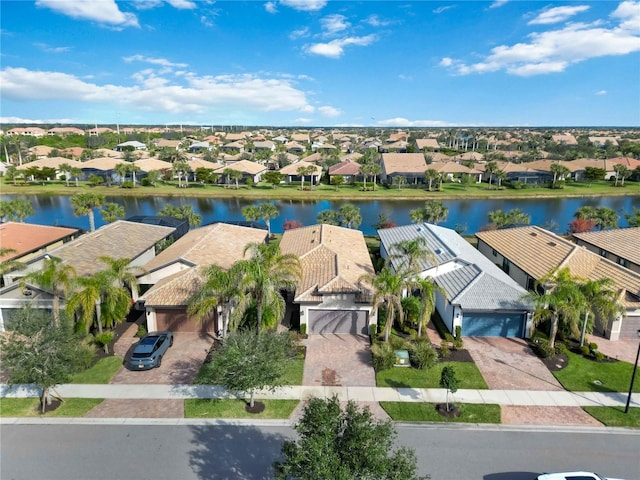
point(358, 394)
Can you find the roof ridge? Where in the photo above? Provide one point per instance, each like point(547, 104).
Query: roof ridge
point(475, 280)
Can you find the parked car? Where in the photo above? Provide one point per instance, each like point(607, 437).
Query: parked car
point(572, 476)
point(149, 351)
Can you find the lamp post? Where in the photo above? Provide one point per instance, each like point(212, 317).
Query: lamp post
point(633, 377)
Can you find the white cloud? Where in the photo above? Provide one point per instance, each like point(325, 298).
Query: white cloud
point(601, 92)
point(49, 49)
point(182, 4)
point(34, 122)
point(403, 122)
point(402, 76)
point(443, 9)
point(163, 62)
point(555, 50)
point(271, 7)
point(335, 48)
point(304, 5)
point(558, 14)
point(333, 24)
point(303, 32)
point(104, 11)
point(375, 21)
point(303, 120)
point(499, 3)
point(328, 111)
point(153, 93)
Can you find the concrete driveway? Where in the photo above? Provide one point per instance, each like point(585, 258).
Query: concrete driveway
point(338, 360)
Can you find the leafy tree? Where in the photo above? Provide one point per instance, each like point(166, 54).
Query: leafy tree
point(435, 212)
point(562, 300)
point(449, 381)
point(183, 212)
point(384, 222)
point(111, 212)
point(559, 171)
point(349, 215)
point(514, 216)
point(622, 172)
point(56, 277)
point(250, 361)
point(604, 217)
point(263, 275)
point(330, 217)
point(600, 300)
point(84, 203)
point(291, 224)
point(337, 180)
point(219, 290)
point(426, 289)
point(41, 352)
point(430, 175)
point(633, 218)
point(17, 209)
point(273, 178)
point(417, 215)
point(581, 225)
point(594, 173)
point(387, 289)
point(411, 253)
point(344, 444)
point(153, 177)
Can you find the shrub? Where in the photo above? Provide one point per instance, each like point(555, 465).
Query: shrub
point(249, 182)
point(142, 331)
point(458, 343)
point(593, 347)
point(423, 355)
point(373, 330)
point(448, 337)
point(458, 331)
point(444, 349)
point(544, 349)
point(303, 329)
point(584, 350)
point(384, 356)
point(127, 184)
point(561, 348)
point(599, 356)
point(103, 339)
point(145, 182)
point(398, 343)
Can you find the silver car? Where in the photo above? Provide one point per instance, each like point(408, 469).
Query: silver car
point(149, 351)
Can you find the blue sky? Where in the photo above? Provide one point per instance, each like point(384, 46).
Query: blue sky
point(321, 63)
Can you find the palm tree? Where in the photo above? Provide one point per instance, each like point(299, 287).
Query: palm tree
point(111, 212)
point(66, 169)
point(263, 275)
point(563, 299)
point(181, 169)
point(514, 216)
point(235, 175)
point(75, 172)
point(302, 171)
point(56, 277)
point(9, 265)
point(84, 203)
point(387, 289)
point(622, 172)
point(426, 288)
point(267, 212)
point(17, 209)
point(349, 215)
point(491, 168)
point(400, 179)
point(633, 218)
point(435, 212)
point(122, 169)
point(251, 213)
point(417, 215)
point(122, 273)
point(328, 217)
point(601, 300)
point(411, 253)
point(431, 174)
point(184, 212)
point(559, 171)
point(220, 289)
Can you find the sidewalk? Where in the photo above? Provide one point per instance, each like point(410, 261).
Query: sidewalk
point(357, 394)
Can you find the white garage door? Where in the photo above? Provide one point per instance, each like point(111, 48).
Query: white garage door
point(337, 321)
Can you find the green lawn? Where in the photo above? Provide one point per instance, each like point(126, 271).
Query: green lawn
point(101, 372)
point(401, 377)
point(235, 408)
point(30, 407)
point(426, 412)
point(615, 416)
point(581, 373)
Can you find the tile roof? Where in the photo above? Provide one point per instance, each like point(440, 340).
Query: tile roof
point(26, 237)
point(244, 166)
point(537, 251)
point(174, 290)
point(292, 168)
point(427, 143)
point(622, 242)
point(52, 162)
point(332, 259)
point(148, 164)
point(102, 163)
point(346, 167)
point(413, 163)
point(120, 239)
point(219, 244)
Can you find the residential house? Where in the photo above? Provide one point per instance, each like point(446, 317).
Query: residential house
point(602, 141)
point(331, 296)
point(291, 172)
point(295, 147)
point(200, 147)
point(529, 253)
point(564, 139)
point(40, 151)
point(175, 275)
point(94, 132)
point(478, 296)
point(409, 165)
point(27, 131)
point(164, 143)
point(348, 169)
point(264, 145)
point(250, 170)
point(64, 131)
point(620, 245)
point(427, 145)
point(131, 144)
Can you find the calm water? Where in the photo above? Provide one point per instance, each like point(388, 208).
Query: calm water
point(554, 214)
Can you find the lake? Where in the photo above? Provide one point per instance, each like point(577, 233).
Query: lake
point(468, 214)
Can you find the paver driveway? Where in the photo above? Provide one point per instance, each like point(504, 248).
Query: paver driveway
point(338, 360)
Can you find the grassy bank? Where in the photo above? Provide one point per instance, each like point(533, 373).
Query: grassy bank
point(321, 192)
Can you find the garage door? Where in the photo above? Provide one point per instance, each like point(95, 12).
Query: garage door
point(481, 324)
point(337, 321)
point(177, 320)
point(630, 327)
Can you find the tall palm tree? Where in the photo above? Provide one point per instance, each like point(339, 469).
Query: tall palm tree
point(220, 289)
point(181, 169)
point(56, 277)
point(601, 300)
point(562, 300)
point(491, 168)
point(268, 211)
point(417, 215)
point(66, 169)
point(431, 174)
point(122, 169)
point(435, 211)
point(263, 275)
point(122, 273)
point(622, 172)
point(411, 253)
point(84, 203)
point(387, 289)
point(111, 212)
point(559, 171)
point(9, 265)
point(349, 215)
point(427, 289)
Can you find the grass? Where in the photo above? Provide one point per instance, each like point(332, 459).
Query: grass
point(235, 408)
point(322, 191)
point(101, 372)
point(401, 377)
point(615, 416)
point(426, 412)
point(30, 407)
point(580, 373)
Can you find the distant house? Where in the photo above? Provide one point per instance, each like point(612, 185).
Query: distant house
point(564, 139)
point(199, 147)
point(479, 297)
point(347, 169)
point(620, 245)
point(132, 144)
point(427, 145)
point(291, 172)
point(529, 253)
point(409, 165)
point(264, 145)
point(602, 141)
point(27, 131)
point(330, 295)
point(64, 131)
point(249, 169)
point(295, 147)
point(94, 132)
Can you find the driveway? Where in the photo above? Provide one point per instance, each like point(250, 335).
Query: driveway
point(338, 360)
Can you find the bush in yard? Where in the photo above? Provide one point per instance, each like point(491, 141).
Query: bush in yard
point(303, 329)
point(599, 356)
point(384, 356)
point(103, 340)
point(142, 331)
point(423, 355)
point(561, 348)
point(398, 343)
point(584, 350)
point(444, 349)
point(544, 349)
point(593, 347)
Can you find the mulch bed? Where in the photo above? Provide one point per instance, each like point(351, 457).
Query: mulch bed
point(258, 407)
point(50, 407)
point(556, 362)
point(451, 412)
point(457, 356)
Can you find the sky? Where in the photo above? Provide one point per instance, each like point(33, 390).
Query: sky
point(303, 63)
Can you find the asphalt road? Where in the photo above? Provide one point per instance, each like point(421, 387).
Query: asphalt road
point(101, 452)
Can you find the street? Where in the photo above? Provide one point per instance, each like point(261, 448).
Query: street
point(101, 452)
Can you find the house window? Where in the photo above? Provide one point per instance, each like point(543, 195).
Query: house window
point(603, 253)
point(495, 254)
point(531, 283)
point(623, 262)
point(505, 265)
